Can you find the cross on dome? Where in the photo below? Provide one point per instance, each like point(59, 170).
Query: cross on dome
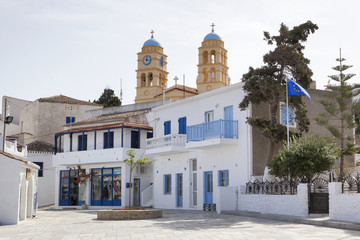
point(212, 25)
point(152, 33)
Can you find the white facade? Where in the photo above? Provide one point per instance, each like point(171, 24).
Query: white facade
point(46, 180)
point(109, 185)
point(205, 154)
point(18, 186)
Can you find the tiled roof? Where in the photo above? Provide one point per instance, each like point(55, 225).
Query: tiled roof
point(64, 99)
point(40, 146)
point(108, 126)
point(181, 88)
point(111, 117)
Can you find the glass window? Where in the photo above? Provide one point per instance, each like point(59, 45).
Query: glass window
point(82, 142)
point(108, 140)
point(167, 184)
point(96, 188)
point(96, 171)
point(64, 189)
point(224, 178)
point(283, 115)
point(106, 187)
point(209, 116)
point(41, 165)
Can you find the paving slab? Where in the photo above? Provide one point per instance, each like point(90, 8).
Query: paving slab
point(176, 224)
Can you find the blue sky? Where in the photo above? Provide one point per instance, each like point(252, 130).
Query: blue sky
point(77, 48)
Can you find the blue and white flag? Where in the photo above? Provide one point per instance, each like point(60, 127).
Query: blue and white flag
point(295, 89)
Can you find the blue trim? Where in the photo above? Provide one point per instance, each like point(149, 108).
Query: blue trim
point(102, 202)
point(208, 195)
point(167, 184)
point(55, 140)
point(60, 143)
point(223, 178)
point(179, 189)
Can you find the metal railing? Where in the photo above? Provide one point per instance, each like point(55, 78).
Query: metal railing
point(177, 140)
point(284, 187)
point(215, 129)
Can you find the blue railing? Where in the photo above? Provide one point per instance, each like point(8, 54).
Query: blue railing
point(215, 129)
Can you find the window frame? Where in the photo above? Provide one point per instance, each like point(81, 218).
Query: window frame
point(41, 170)
point(167, 184)
point(223, 178)
point(293, 115)
point(207, 114)
point(107, 144)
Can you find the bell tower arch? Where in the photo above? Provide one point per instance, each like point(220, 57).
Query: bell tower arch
point(151, 73)
point(212, 67)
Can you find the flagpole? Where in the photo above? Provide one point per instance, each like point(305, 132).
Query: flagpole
point(287, 114)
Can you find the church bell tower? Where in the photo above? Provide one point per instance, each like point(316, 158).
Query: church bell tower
point(212, 67)
point(151, 73)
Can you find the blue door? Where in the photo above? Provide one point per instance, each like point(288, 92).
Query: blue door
point(228, 124)
point(208, 187)
point(179, 190)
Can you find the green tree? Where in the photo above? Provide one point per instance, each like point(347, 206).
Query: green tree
point(306, 157)
point(266, 85)
point(132, 165)
point(108, 98)
point(341, 112)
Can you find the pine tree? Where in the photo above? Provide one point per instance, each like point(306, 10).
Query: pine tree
point(108, 98)
point(266, 85)
point(341, 111)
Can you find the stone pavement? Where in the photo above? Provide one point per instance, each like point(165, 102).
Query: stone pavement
point(176, 224)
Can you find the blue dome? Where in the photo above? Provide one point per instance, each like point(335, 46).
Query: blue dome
point(212, 36)
point(151, 42)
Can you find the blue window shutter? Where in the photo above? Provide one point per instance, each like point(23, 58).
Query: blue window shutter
point(80, 143)
point(67, 120)
point(105, 140)
point(85, 142)
point(167, 127)
point(149, 135)
point(182, 125)
point(111, 143)
point(73, 119)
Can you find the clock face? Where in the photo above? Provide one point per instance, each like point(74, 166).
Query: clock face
point(162, 61)
point(147, 59)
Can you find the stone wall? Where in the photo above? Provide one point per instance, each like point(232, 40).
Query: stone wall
point(128, 214)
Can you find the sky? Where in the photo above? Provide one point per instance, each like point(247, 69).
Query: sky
point(79, 48)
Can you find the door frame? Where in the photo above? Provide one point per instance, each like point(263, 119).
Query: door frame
point(206, 200)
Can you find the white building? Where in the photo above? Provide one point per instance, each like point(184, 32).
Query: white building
point(201, 145)
point(40, 153)
point(99, 145)
point(18, 187)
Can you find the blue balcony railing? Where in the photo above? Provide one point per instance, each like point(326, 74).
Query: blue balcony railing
point(215, 129)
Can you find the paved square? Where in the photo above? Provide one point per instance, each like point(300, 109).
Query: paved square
point(176, 224)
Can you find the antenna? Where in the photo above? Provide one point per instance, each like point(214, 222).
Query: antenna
point(184, 86)
point(121, 92)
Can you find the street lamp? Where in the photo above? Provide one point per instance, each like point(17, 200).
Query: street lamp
point(7, 120)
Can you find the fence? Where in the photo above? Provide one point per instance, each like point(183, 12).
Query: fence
point(284, 187)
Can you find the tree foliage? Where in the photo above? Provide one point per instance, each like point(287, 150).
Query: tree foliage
point(108, 99)
point(306, 157)
point(266, 84)
point(132, 165)
point(341, 114)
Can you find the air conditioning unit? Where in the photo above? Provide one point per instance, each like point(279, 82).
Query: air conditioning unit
point(141, 169)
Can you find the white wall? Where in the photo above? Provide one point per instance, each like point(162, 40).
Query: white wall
point(46, 183)
point(17, 198)
point(293, 205)
point(343, 207)
point(236, 157)
point(10, 184)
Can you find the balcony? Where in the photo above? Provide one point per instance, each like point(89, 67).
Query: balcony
point(174, 143)
point(13, 148)
point(109, 155)
point(212, 134)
